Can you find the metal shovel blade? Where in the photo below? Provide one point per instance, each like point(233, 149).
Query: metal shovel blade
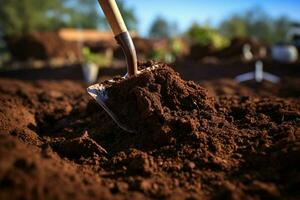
point(99, 93)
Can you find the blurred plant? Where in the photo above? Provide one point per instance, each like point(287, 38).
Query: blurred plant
point(162, 55)
point(25, 16)
point(88, 14)
point(161, 28)
point(235, 27)
point(281, 27)
point(5, 56)
point(84, 14)
point(170, 53)
point(205, 35)
point(177, 46)
point(256, 23)
point(95, 58)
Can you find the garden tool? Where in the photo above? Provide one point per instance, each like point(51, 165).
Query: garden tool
point(121, 34)
point(123, 38)
point(258, 75)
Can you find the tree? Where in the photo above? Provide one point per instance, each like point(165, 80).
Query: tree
point(161, 28)
point(88, 14)
point(205, 35)
point(84, 14)
point(234, 27)
point(282, 26)
point(256, 23)
point(23, 16)
point(259, 24)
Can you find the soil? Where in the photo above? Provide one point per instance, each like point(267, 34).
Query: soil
point(189, 143)
point(43, 46)
point(233, 51)
point(229, 68)
point(236, 48)
point(288, 87)
point(199, 51)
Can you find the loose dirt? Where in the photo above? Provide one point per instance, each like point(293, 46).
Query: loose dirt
point(57, 143)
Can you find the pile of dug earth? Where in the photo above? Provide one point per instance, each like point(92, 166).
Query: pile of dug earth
point(57, 143)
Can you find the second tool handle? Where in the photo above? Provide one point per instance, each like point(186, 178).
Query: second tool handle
point(113, 16)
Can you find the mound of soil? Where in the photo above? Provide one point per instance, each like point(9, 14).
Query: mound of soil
point(236, 48)
point(234, 51)
point(198, 51)
point(41, 45)
point(186, 144)
point(157, 104)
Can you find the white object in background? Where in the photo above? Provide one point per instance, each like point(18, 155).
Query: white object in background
point(270, 77)
point(258, 75)
point(90, 72)
point(284, 53)
point(259, 71)
point(247, 52)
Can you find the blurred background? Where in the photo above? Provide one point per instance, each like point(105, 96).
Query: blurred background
point(203, 40)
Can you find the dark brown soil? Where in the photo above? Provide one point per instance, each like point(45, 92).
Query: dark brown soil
point(199, 51)
point(156, 103)
point(230, 68)
point(41, 45)
point(236, 48)
point(286, 88)
point(57, 143)
point(234, 51)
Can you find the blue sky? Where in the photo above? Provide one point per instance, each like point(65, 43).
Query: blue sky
point(184, 12)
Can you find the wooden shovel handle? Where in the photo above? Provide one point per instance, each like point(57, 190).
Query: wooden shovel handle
point(113, 15)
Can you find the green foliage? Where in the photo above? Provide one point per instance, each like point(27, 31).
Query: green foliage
point(256, 23)
point(235, 27)
point(5, 56)
point(84, 14)
point(25, 16)
point(176, 46)
point(95, 58)
point(162, 55)
point(160, 28)
point(205, 35)
point(281, 27)
point(169, 54)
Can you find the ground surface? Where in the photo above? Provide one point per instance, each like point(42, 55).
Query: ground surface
point(229, 142)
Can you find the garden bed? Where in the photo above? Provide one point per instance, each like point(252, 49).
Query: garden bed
point(189, 143)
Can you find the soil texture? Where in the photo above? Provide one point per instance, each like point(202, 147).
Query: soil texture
point(189, 143)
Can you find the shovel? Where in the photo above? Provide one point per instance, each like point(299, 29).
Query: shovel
point(123, 38)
